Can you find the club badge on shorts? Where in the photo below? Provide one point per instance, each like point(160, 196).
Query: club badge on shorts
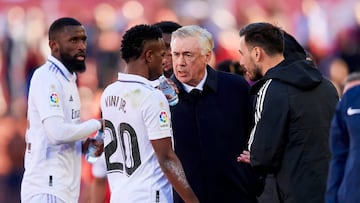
point(164, 120)
point(54, 100)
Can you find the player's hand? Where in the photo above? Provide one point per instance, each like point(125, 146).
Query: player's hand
point(173, 85)
point(244, 157)
point(85, 145)
point(98, 144)
point(99, 147)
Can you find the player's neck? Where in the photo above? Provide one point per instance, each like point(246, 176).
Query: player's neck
point(137, 68)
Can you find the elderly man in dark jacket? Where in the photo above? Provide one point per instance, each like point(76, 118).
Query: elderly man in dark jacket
point(211, 122)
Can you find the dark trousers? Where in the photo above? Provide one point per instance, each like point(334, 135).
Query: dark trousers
point(270, 194)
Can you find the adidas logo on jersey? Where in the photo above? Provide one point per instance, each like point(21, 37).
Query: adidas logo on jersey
point(71, 98)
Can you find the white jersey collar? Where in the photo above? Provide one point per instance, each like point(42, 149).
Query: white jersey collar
point(64, 71)
point(133, 78)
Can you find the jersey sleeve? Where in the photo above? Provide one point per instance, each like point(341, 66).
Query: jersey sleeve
point(270, 131)
point(47, 96)
point(156, 114)
point(60, 132)
point(339, 146)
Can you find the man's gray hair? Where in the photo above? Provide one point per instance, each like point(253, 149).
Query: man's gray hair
point(206, 39)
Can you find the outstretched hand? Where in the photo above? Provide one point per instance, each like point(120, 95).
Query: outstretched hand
point(244, 157)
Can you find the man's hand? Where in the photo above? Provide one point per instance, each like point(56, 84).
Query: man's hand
point(102, 122)
point(99, 147)
point(98, 144)
point(85, 145)
point(244, 157)
point(173, 85)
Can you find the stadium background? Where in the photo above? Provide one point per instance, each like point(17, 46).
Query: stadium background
point(329, 29)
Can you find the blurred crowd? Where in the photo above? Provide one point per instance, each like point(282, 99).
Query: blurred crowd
point(328, 29)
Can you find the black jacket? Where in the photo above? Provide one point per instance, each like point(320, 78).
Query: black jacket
point(294, 108)
point(211, 129)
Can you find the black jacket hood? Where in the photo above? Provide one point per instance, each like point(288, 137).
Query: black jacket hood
point(298, 73)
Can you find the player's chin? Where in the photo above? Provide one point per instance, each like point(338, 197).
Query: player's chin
point(79, 67)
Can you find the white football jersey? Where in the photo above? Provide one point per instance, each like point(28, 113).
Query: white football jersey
point(135, 113)
point(49, 168)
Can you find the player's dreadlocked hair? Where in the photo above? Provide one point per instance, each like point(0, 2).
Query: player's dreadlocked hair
point(134, 39)
point(59, 24)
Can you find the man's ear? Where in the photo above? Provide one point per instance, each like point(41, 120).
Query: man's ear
point(258, 53)
point(148, 56)
point(208, 56)
point(53, 46)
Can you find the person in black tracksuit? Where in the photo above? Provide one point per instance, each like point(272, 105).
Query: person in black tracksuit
point(293, 111)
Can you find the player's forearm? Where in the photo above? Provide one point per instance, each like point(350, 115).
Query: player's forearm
point(98, 189)
point(176, 176)
point(59, 132)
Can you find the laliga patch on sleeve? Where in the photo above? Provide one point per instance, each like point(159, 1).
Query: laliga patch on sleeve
point(164, 120)
point(54, 100)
